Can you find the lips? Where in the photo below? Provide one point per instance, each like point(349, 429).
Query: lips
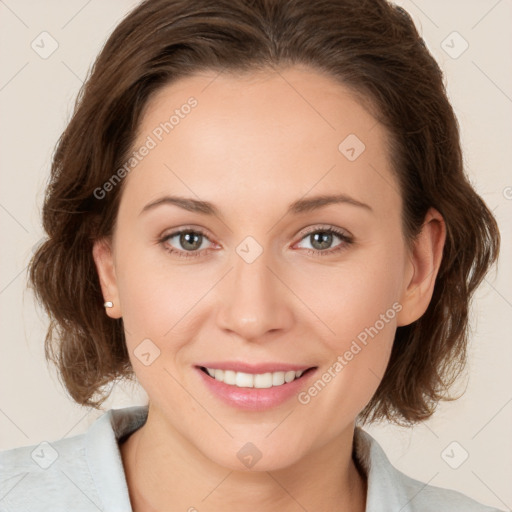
point(263, 387)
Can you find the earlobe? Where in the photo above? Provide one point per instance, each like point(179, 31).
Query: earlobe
point(104, 260)
point(425, 260)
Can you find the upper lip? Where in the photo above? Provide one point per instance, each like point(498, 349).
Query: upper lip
point(255, 368)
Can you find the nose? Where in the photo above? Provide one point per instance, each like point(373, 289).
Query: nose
point(255, 299)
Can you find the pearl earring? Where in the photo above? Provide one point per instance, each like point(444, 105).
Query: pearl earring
point(108, 304)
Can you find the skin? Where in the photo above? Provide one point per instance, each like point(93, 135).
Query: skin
point(253, 145)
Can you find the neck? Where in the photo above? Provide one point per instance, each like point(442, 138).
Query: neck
point(163, 470)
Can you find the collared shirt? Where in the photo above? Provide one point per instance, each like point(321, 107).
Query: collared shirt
point(85, 473)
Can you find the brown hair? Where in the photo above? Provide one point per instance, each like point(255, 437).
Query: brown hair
point(373, 48)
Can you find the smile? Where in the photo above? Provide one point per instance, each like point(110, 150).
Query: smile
point(254, 387)
point(249, 380)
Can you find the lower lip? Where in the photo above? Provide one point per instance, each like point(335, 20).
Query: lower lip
point(254, 399)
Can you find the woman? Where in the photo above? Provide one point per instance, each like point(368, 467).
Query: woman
point(259, 210)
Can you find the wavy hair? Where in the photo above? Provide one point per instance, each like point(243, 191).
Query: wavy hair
point(373, 48)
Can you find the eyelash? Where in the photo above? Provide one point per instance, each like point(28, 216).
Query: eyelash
point(197, 254)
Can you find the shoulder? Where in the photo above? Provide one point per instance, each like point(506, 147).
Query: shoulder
point(37, 477)
point(386, 484)
point(430, 497)
point(80, 473)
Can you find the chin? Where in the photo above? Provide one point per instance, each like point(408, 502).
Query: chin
point(254, 461)
point(257, 455)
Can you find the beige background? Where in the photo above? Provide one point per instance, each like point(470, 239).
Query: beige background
point(36, 100)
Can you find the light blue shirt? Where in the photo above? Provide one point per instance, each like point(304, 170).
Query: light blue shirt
point(84, 473)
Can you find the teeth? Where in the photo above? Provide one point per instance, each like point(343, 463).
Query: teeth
point(230, 377)
point(250, 380)
point(289, 376)
point(243, 380)
point(277, 378)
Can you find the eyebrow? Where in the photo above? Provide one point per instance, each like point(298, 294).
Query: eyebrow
point(297, 207)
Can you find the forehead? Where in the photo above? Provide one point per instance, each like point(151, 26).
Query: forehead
point(276, 135)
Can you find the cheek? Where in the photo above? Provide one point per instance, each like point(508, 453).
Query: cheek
point(359, 295)
point(356, 356)
point(161, 301)
point(360, 306)
point(153, 291)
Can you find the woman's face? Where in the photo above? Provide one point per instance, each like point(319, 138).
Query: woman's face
point(257, 282)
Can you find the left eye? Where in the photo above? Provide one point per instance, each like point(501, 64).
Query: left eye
point(321, 239)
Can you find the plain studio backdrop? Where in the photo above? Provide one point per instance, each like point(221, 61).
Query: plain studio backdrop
point(467, 444)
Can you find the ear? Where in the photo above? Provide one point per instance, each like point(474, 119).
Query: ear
point(423, 265)
point(103, 258)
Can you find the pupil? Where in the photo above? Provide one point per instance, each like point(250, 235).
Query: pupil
point(187, 240)
point(325, 239)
